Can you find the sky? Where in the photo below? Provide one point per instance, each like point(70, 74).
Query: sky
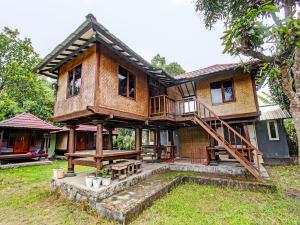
point(169, 27)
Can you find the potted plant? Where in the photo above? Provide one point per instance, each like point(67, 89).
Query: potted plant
point(97, 180)
point(106, 177)
point(89, 180)
point(59, 172)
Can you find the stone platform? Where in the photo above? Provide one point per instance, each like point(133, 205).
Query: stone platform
point(122, 200)
point(74, 188)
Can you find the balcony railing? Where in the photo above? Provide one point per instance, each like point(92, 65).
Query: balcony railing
point(163, 105)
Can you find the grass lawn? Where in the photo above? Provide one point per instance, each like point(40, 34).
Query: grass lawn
point(286, 177)
point(25, 199)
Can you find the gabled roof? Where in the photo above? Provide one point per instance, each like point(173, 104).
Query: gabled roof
point(209, 70)
point(27, 121)
point(273, 112)
point(84, 37)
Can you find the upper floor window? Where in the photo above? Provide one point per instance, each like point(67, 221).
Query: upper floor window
point(273, 130)
point(222, 92)
point(126, 83)
point(74, 81)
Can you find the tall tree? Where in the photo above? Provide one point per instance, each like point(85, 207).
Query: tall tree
point(268, 31)
point(172, 68)
point(20, 88)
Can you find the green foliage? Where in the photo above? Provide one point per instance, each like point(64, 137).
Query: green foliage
point(289, 126)
point(172, 68)
point(125, 140)
point(258, 30)
point(22, 90)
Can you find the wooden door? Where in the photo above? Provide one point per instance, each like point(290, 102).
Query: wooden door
point(81, 141)
point(22, 141)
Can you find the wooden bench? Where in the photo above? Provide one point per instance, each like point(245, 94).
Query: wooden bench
point(126, 168)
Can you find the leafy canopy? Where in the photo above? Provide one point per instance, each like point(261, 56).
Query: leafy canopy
point(268, 31)
point(22, 90)
point(172, 68)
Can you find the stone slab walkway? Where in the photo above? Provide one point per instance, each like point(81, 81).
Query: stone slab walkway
point(123, 206)
point(23, 164)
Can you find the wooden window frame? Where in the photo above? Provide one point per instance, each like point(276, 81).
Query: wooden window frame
point(223, 93)
point(276, 130)
point(127, 83)
point(73, 81)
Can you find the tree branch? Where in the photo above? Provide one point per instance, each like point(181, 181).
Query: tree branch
point(256, 55)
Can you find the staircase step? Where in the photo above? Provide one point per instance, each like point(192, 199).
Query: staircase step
point(237, 155)
point(125, 205)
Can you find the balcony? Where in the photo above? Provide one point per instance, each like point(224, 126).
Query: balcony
point(163, 106)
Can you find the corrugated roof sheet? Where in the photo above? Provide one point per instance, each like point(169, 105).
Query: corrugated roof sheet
point(273, 112)
point(28, 121)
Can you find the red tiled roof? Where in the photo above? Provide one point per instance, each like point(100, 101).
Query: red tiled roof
point(208, 70)
point(28, 121)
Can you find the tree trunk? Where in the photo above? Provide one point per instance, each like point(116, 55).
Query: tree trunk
point(295, 112)
point(295, 108)
point(291, 87)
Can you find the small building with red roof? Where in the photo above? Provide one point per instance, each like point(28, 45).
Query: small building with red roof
point(24, 136)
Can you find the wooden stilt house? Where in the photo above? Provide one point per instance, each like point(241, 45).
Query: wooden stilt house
point(101, 81)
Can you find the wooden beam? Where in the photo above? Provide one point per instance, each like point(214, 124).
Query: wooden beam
point(110, 142)
point(116, 113)
point(138, 141)
point(99, 147)
point(158, 143)
point(99, 139)
point(71, 149)
point(170, 136)
point(75, 52)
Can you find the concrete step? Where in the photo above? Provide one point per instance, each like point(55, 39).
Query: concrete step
point(124, 206)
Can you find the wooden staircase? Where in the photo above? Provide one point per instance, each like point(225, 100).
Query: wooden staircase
point(209, 121)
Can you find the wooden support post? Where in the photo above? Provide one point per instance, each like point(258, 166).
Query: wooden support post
point(155, 139)
point(158, 137)
point(158, 144)
point(138, 141)
point(1, 140)
point(110, 141)
point(170, 137)
point(99, 147)
point(71, 149)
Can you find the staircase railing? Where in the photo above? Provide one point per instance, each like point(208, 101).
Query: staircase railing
point(241, 144)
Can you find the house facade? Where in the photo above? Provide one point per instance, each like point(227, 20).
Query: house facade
point(24, 136)
point(102, 82)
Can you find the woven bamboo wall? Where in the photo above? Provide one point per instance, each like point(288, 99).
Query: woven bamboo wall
point(66, 105)
point(174, 93)
point(109, 96)
point(192, 138)
point(245, 98)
